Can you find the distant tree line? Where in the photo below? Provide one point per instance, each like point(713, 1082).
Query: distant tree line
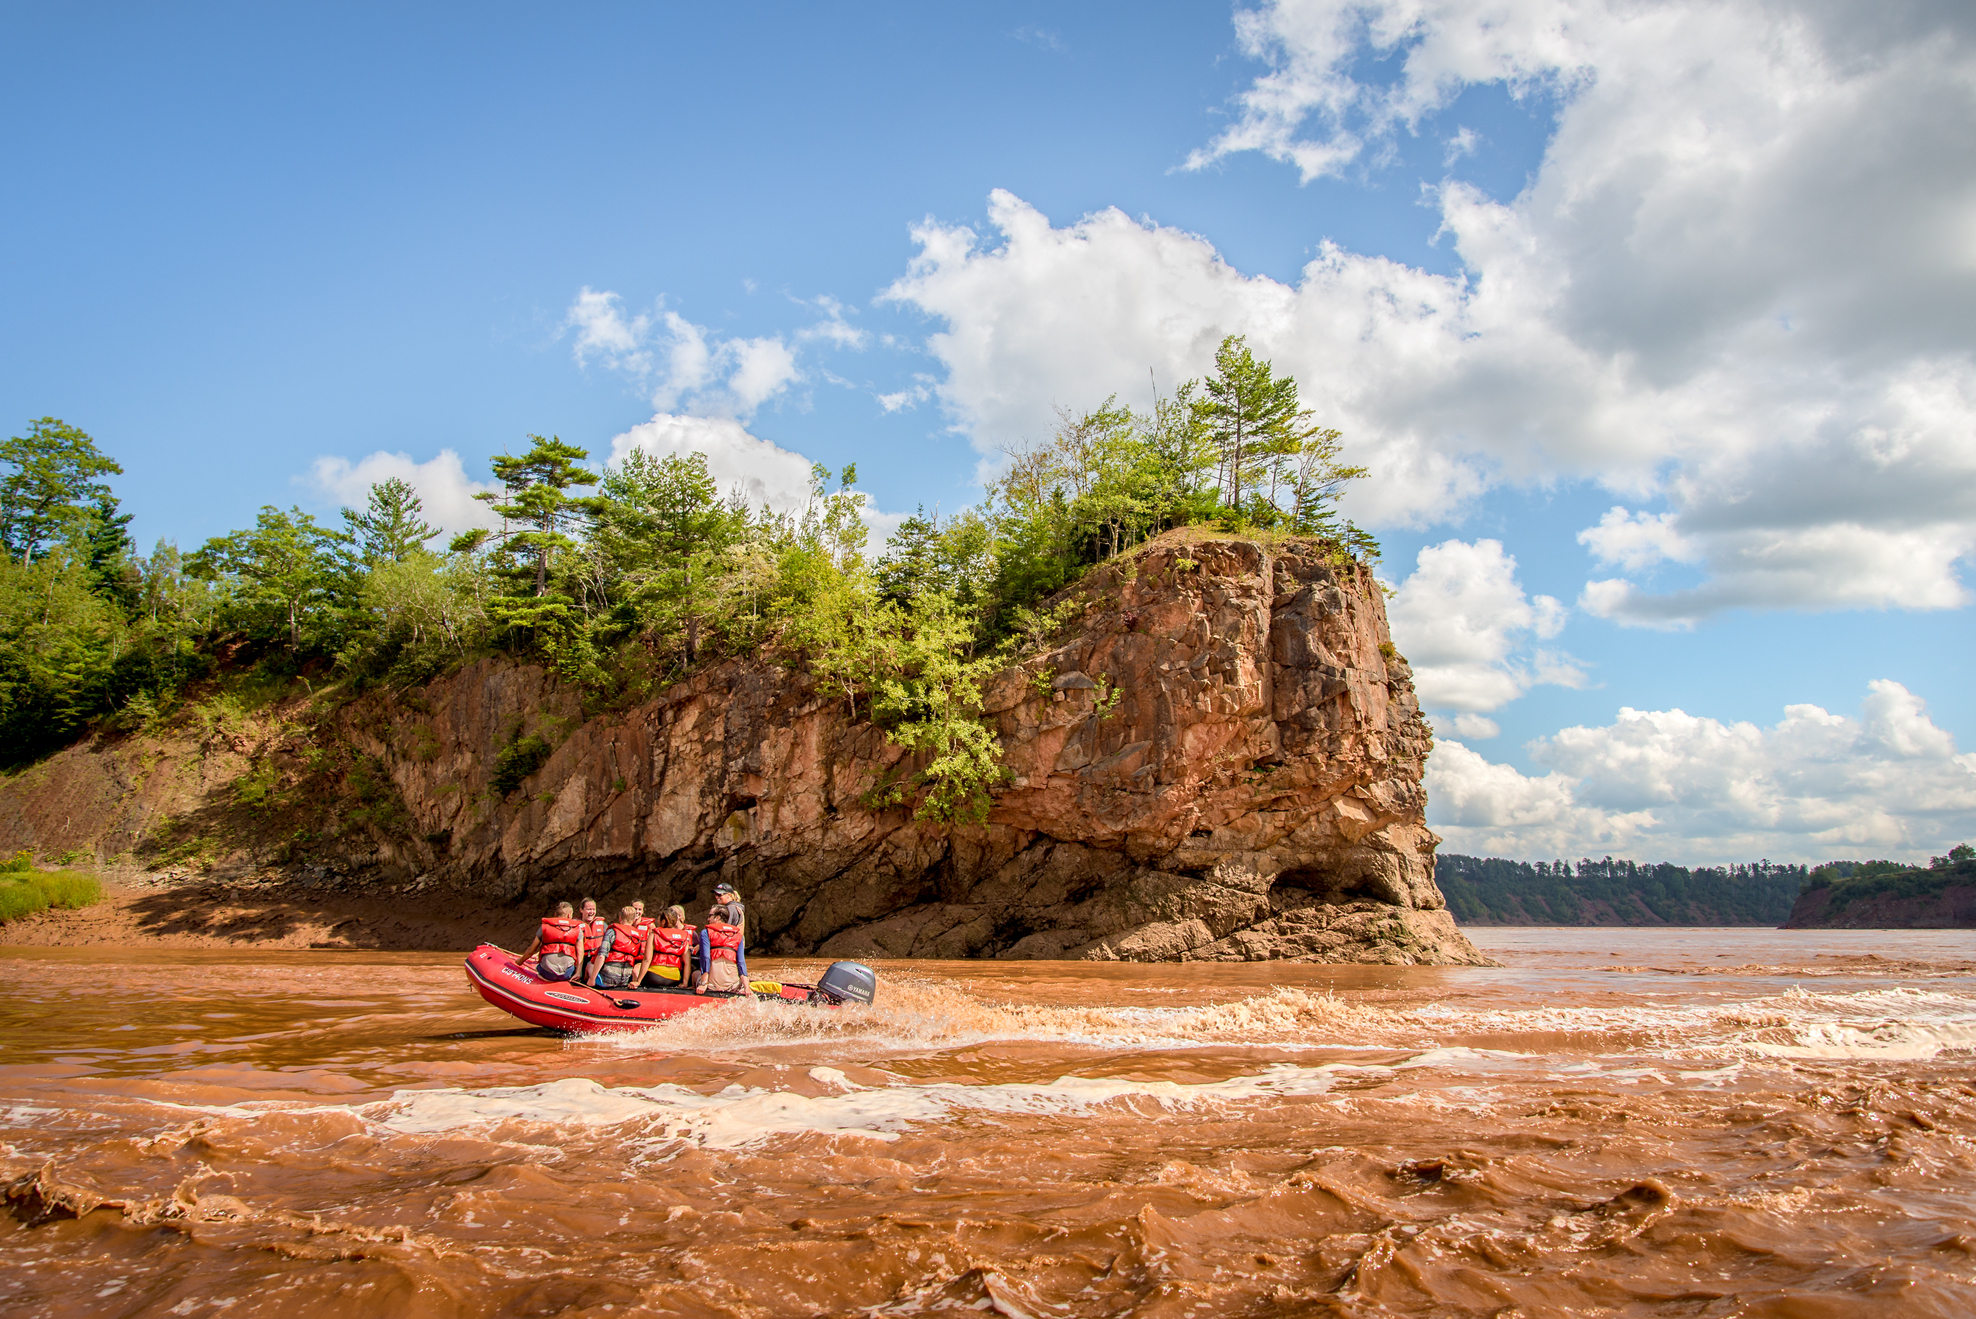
point(625, 578)
point(1492, 891)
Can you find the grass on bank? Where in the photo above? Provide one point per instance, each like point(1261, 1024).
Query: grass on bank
point(25, 891)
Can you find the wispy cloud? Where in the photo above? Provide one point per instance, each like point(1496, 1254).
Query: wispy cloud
point(1042, 39)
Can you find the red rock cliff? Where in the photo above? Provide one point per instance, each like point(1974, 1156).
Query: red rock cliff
point(1221, 760)
point(1253, 790)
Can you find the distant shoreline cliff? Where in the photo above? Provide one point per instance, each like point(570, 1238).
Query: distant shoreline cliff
point(1941, 897)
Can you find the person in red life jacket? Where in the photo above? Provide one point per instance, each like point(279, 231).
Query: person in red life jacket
point(672, 952)
point(723, 955)
point(624, 955)
point(560, 941)
point(593, 927)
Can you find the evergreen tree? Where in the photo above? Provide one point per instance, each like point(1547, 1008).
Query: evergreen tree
point(56, 640)
point(392, 524)
point(537, 486)
point(662, 523)
point(911, 562)
point(1253, 417)
point(109, 552)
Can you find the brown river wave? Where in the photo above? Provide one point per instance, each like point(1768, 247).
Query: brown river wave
point(1615, 1122)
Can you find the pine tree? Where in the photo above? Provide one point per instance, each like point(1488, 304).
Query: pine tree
point(662, 522)
point(1254, 418)
point(392, 524)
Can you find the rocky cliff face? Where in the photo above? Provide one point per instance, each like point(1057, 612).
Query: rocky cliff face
point(1949, 907)
point(1222, 760)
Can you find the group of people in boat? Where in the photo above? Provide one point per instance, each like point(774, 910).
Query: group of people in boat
point(637, 951)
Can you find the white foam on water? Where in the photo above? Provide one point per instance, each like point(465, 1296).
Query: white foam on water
point(1893, 1023)
point(1892, 1041)
point(572, 1101)
point(916, 1016)
point(1458, 1054)
point(740, 1115)
point(832, 1077)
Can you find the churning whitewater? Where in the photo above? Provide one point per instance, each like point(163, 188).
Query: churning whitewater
point(1617, 1122)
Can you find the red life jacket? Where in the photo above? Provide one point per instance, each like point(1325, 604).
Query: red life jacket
point(559, 935)
point(723, 940)
point(646, 922)
point(669, 946)
point(627, 943)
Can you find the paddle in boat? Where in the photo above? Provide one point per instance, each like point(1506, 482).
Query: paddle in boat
point(566, 1005)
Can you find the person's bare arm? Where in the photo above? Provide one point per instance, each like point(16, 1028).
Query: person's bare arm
point(644, 963)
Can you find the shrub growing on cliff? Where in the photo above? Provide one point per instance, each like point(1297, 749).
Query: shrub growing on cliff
point(521, 757)
point(930, 704)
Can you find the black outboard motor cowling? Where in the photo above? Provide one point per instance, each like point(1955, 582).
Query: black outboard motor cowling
point(852, 982)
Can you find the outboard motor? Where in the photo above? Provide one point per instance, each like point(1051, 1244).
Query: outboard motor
point(847, 982)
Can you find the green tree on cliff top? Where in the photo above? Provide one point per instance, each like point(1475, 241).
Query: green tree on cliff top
point(662, 524)
point(285, 562)
point(1253, 417)
point(56, 489)
point(392, 525)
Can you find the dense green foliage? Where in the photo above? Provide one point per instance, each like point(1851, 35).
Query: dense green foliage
point(1491, 891)
point(1853, 881)
point(86, 625)
point(626, 578)
point(23, 893)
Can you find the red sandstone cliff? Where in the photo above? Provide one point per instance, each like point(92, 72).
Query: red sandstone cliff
point(1254, 790)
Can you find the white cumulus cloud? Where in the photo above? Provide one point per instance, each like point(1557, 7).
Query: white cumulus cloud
point(762, 471)
point(1735, 292)
point(1466, 626)
point(445, 491)
point(1664, 784)
point(681, 364)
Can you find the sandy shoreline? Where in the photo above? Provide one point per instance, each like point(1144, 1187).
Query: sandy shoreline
point(143, 911)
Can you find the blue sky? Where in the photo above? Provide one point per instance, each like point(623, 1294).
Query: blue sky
point(1540, 260)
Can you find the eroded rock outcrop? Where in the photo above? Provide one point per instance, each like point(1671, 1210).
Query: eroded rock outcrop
point(1222, 761)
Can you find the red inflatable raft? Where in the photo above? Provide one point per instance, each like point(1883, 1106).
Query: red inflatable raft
point(562, 1005)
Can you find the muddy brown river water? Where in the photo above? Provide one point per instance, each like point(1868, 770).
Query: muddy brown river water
point(1616, 1122)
